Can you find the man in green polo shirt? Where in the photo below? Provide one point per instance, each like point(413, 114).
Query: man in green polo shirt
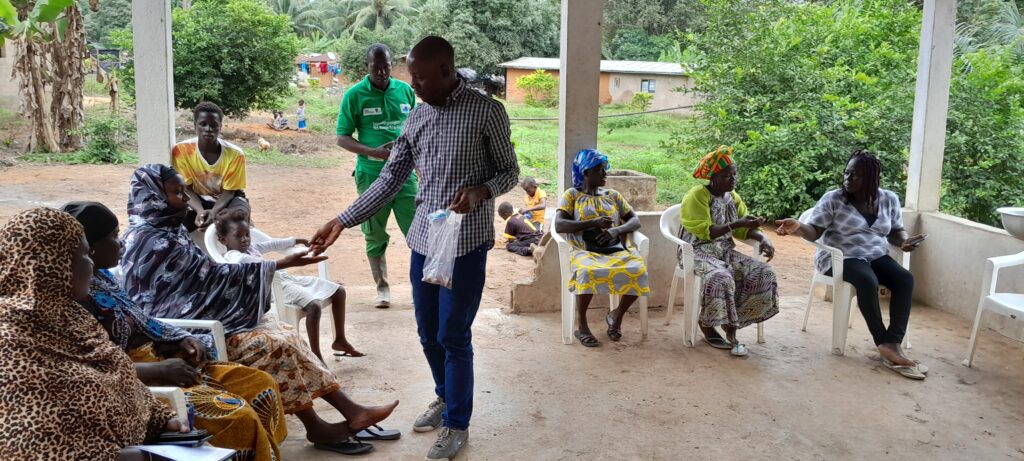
point(375, 110)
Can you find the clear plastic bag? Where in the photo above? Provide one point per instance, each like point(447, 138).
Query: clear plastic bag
point(442, 245)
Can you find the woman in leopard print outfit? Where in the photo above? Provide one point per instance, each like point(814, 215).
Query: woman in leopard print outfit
point(66, 391)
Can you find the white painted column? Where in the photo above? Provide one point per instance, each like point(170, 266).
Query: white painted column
point(578, 82)
point(931, 105)
point(154, 79)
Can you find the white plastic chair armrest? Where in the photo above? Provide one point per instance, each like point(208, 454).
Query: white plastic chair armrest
point(1000, 262)
point(322, 270)
point(994, 264)
point(176, 397)
point(837, 259)
point(215, 328)
point(640, 241)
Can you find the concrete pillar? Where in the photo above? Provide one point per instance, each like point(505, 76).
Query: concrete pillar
point(931, 104)
point(154, 79)
point(578, 82)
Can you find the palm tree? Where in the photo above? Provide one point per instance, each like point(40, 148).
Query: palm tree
point(304, 15)
point(1008, 28)
point(378, 14)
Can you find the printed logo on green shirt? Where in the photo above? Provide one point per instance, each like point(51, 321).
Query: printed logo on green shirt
point(372, 111)
point(388, 125)
point(406, 108)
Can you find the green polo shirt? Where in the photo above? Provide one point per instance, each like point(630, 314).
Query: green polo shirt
point(377, 116)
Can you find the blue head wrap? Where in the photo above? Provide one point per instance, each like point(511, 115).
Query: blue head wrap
point(585, 160)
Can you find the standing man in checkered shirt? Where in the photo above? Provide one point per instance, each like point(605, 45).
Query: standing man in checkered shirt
point(459, 141)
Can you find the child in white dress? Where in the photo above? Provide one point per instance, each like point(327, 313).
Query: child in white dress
point(310, 293)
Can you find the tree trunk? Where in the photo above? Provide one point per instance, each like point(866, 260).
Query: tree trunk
point(32, 89)
point(68, 78)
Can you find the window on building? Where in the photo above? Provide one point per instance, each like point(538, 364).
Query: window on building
point(616, 82)
point(647, 86)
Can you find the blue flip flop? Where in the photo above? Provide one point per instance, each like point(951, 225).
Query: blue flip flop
point(378, 433)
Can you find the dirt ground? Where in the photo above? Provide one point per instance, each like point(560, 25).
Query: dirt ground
point(650, 399)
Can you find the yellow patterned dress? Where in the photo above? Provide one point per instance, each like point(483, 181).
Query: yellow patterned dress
point(620, 273)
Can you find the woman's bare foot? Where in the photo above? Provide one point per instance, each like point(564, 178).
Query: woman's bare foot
point(344, 346)
point(324, 432)
point(369, 416)
point(892, 353)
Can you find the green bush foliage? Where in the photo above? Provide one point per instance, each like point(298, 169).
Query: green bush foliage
point(642, 101)
point(541, 88)
point(106, 137)
point(796, 87)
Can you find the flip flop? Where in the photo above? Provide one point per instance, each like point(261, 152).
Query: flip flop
point(347, 354)
point(348, 447)
point(907, 372)
point(378, 433)
point(587, 340)
point(614, 334)
point(739, 350)
point(718, 343)
point(921, 367)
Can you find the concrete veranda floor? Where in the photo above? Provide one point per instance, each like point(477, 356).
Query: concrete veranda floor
point(656, 399)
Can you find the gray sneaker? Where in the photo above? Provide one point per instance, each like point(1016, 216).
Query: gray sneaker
point(448, 444)
point(430, 419)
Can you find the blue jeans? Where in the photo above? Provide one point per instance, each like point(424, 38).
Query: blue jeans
point(443, 319)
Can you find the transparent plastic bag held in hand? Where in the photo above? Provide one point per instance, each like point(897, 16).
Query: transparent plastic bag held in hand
point(442, 242)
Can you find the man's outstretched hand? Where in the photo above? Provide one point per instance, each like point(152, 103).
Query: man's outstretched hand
point(326, 236)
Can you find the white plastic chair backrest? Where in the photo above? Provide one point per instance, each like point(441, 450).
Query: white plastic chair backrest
point(216, 250)
point(669, 222)
point(806, 215)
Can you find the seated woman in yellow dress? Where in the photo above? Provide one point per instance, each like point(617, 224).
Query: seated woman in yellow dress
point(738, 289)
point(239, 405)
point(596, 222)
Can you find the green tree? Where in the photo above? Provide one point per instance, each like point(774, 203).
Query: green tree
point(111, 15)
point(241, 68)
point(304, 15)
point(399, 37)
point(486, 33)
point(378, 14)
point(796, 87)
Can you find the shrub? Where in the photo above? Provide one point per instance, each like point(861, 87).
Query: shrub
point(642, 101)
point(105, 140)
point(541, 88)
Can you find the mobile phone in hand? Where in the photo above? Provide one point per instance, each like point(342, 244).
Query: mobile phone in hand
point(919, 242)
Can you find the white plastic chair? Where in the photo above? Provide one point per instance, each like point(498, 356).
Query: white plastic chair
point(693, 285)
point(175, 396)
point(844, 293)
point(288, 313)
point(1008, 304)
point(636, 240)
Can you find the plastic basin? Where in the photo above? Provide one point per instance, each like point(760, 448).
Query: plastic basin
point(1013, 220)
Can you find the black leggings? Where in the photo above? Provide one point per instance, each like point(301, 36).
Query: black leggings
point(865, 278)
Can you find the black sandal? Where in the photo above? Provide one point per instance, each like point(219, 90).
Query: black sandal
point(348, 447)
point(587, 339)
point(614, 334)
point(376, 432)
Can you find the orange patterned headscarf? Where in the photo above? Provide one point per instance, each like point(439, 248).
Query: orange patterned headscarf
point(714, 162)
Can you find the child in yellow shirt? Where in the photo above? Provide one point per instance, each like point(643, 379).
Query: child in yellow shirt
point(536, 201)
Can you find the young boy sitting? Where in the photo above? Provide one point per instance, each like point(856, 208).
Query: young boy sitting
point(521, 235)
point(214, 169)
point(299, 290)
point(536, 201)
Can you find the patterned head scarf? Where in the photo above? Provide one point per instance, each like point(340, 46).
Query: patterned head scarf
point(168, 276)
point(585, 160)
point(95, 217)
point(714, 162)
point(57, 357)
point(147, 200)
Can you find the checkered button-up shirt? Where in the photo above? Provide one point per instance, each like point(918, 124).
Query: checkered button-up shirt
point(848, 230)
point(464, 143)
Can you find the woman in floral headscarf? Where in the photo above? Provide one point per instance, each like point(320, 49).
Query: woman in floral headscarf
point(738, 290)
point(66, 391)
point(596, 221)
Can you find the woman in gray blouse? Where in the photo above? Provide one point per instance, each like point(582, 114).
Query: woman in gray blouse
point(862, 220)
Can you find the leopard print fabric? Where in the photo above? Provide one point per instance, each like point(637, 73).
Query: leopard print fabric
point(66, 391)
